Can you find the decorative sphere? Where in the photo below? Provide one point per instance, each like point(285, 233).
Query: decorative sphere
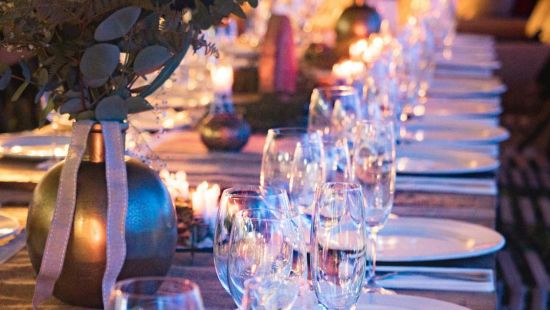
point(224, 132)
point(150, 230)
point(356, 22)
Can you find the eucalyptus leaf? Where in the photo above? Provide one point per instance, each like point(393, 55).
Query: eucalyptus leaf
point(71, 106)
point(112, 108)
point(50, 106)
point(97, 82)
point(25, 70)
point(42, 76)
point(99, 62)
point(138, 104)
point(226, 7)
point(19, 91)
point(253, 3)
point(166, 72)
point(150, 59)
point(117, 24)
point(5, 79)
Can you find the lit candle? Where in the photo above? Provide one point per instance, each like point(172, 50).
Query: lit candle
point(222, 79)
point(205, 201)
point(176, 183)
point(357, 49)
point(348, 71)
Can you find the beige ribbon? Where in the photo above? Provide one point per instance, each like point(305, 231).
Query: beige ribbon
point(62, 222)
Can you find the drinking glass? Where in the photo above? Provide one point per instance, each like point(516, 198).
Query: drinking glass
point(162, 293)
point(269, 293)
point(374, 168)
point(279, 151)
point(337, 159)
point(338, 245)
point(261, 246)
point(254, 197)
point(334, 109)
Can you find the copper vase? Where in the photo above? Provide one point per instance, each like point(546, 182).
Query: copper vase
point(150, 226)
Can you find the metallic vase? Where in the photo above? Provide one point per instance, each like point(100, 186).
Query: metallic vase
point(150, 226)
point(356, 22)
point(222, 129)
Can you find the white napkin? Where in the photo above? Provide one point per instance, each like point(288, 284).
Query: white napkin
point(421, 282)
point(446, 185)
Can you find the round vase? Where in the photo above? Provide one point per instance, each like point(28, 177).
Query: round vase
point(356, 22)
point(151, 231)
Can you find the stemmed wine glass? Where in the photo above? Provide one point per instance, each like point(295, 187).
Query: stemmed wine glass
point(261, 245)
point(337, 159)
point(162, 293)
point(261, 198)
point(269, 293)
point(338, 245)
point(334, 110)
point(374, 167)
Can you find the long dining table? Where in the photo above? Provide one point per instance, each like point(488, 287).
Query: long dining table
point(472, 198)
point(182, 150)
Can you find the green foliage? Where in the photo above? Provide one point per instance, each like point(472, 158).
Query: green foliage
point(91, 52)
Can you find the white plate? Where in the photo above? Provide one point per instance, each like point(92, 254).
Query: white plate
point(465, 108)
point(157, 120)
point(428, 160)
point(409, 239)
point(465, 87)
point(35, 147)
point(452, 131)
point(8, 226)
point(384, 302)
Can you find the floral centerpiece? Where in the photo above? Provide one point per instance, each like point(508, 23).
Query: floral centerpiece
point(97, 216)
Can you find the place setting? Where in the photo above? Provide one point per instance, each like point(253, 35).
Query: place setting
point(250, 155)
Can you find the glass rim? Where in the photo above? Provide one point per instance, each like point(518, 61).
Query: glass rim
point(283, 217)
point(190, 286)
point(287, 131)
point(343, 89)
point(268, 191)
point(344, 186)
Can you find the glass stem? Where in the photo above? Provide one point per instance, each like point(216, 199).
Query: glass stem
point(371, 279)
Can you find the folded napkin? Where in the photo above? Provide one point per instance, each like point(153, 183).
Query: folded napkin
point(446, 185)
point(419, 278)
point(8, 248)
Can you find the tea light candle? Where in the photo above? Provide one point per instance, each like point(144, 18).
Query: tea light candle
point(348, 71)
point(357, 49)
point(176, 183)
point(205, 201)
point(222, 79)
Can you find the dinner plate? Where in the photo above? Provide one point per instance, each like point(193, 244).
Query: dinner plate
point(35, 146)
point(8, 226)
point(410, 239)
point(465, 87)
point(461, 108)
point(452, 131)
point(384, 302)
point(430, 160)
point(156, 120)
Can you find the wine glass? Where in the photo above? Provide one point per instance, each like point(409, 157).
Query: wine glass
point(260, 245)
point(374, 168)
point(269, 293)
point(338, 245)
point(337, 159)
point(162, 293)
point(334, 109)
point(254, 197)
point(278, 154)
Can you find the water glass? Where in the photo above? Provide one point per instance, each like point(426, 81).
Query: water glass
point(374, 167)
point(338, 245)
point(242, 198)
point(162, 293)
point(279, 151)
point(269, 293)
point(334, 110)
point(261, 246)
point(337, 159)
